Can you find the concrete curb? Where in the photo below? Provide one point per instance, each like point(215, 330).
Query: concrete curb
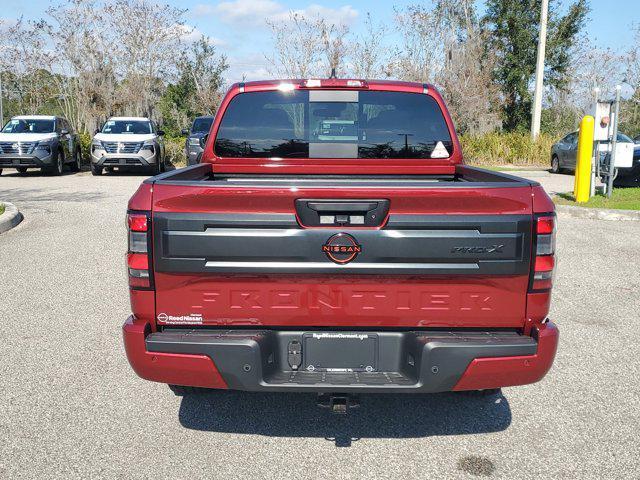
point(598, 213)
point(10, 218)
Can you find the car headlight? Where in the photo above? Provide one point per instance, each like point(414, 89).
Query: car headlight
point(149, 145)
point(96, 145)
point(194, 142)
point(45, 145)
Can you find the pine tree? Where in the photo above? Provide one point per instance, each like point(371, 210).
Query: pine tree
point(513, 27)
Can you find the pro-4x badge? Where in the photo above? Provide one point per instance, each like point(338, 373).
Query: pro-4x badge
point(341, 248)
point(489, 249)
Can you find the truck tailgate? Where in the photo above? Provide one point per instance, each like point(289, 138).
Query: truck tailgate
point(446, 255)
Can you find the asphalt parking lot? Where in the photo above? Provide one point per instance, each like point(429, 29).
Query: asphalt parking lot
point(70, 406)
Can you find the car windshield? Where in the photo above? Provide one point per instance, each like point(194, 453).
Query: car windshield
point(29, 125)
point(624, 139)
point(134, 127)
point(333, 124)
point(201, 125)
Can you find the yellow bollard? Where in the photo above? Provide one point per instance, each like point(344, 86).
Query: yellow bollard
point(582, 185)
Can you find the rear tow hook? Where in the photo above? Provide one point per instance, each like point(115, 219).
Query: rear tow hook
point(338, 403)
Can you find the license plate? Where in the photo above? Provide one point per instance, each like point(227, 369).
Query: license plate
point(340, 352)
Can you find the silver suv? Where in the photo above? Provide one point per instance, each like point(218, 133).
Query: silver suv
point(128, 142)
point(39, 141)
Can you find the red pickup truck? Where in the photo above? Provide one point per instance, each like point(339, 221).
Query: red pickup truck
point(333, 240)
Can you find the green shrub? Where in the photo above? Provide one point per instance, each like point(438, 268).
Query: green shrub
point(507, 149)
point(174, 149)
point(85, 146)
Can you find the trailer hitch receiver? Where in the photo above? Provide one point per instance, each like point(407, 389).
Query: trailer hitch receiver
point(339, 403)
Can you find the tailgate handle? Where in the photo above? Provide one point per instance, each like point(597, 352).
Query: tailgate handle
point(340, 213)
point(342, 207)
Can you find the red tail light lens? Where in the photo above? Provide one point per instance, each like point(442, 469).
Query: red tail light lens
point(546, 225)
point(137, 222)
point(544, 259)
point(138, 260)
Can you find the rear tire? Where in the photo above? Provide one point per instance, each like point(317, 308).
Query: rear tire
point(77, 161)
point(0, 171)
point(181, 390)
point(58, 165)
point(96, 171)
point(22, 170)
point(555, 165)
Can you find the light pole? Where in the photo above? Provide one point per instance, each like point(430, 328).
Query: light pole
point(537, 96)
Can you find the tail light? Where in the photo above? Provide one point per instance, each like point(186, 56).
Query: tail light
point(139, 251)
point(544, 258)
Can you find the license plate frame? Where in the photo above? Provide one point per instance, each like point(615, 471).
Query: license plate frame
point(340, 352)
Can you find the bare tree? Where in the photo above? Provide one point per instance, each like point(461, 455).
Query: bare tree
point(333, 38)
point(31, 64)
point(444, 44)
point(308, 47)
point(82, 37)
point(368, 56)
point(149, 42)
point(466, 78)
point(205, 67)
point(421, 53)
point(632, 59)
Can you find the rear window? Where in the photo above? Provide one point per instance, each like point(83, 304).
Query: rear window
point(333, 124)
point(202, 125)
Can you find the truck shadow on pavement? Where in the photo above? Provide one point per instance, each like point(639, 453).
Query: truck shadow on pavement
point(379, 416)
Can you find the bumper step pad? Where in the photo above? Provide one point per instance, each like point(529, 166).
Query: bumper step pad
point(340, 378)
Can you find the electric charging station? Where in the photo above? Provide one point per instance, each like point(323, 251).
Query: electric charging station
point(608, 154)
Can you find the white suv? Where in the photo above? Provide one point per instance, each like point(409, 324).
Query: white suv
point(128, 142)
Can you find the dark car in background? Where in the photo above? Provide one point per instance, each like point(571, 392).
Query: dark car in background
point(39, 141)
point(565, 151)
point(198, 130)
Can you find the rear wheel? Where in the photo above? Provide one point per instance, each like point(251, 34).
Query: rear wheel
point(77, 161)
point(96, 171)
point(22, 170)
point(0, 171)
point(555, 164)
point(58, 162)
point(157, 169)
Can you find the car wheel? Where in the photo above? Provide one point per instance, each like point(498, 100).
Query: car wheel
point(163, 166)
point(95, 170)
point(57, 167)
point(22, 170)
point(0, 171)
point(77, 161)
point(156, 169)
point(555, 164)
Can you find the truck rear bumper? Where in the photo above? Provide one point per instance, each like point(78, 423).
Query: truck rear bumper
point(408, 361)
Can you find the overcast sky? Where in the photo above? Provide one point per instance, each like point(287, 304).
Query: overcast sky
point(238, 26)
